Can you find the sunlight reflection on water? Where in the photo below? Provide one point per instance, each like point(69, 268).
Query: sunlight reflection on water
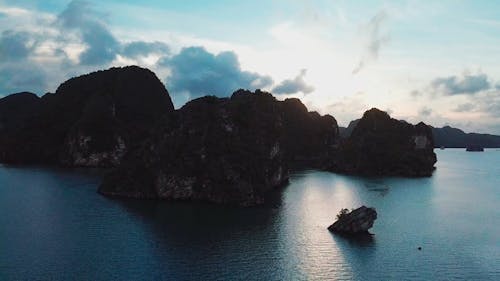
point(57, 227)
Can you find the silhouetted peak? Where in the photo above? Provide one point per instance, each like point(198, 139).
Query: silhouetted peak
point(450, 129)
point(20, 97)
point(114, 80)
point(246, 94)
point(295, 105)
point(206, 100)
point(421, 124)
point(376, 113)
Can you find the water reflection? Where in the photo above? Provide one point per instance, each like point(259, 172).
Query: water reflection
point(377, 186)
point(361, 239)
point(58, 227)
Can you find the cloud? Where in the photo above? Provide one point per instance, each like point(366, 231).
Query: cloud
point(468, 84)
point(484, 103)
point(199, 72)
point(425, 111)
point(292, 86)
point(138, 49)
point(78, 40)
point(13, 78)
point(12, 11)
point(416, 93)
point(102, 46)
point(375, 40)
point(465, 107)
point(348, 108)
point(488, 103)
point(14, 45)
point(17, 72)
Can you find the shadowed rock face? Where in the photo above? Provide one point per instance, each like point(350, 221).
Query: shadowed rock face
point(91, 120)
point(215, 149)
point(357, 221)
point(345, 132)
point(380, 145)
point(225, 150)
point(16, 110)
point(309, 139)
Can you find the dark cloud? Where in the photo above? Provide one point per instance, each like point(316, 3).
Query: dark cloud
point(468, 84)
point(465, 107)
point(14, 45)
point(425, 111)
point(416, 93)
point(490, 103)
point(193, 72)
point(141, 49)
point(374, 41)
point(292, 86)
point(102, 46)
point(485, 103)
point(14, 78)
point(17, 72)
point(200, 73)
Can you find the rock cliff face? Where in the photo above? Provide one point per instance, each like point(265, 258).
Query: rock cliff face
point(357, 221)
point(225, 150)
point(345, 132)
point(222, 150)
point(309, 139)
point(380, 145)
point(16, 111)
point(91, 120)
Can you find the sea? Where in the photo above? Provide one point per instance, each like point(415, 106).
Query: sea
point(55, 226)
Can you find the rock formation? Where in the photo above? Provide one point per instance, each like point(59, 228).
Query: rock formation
point(357, 221)
point(309, 139)
point(447, 137)
point(380, 145)
point(345, 132)
point(16, 110)
point(91, 120)
point(222, 150)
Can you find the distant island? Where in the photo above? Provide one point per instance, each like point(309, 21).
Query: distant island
point(446, 137)
point(224, 150)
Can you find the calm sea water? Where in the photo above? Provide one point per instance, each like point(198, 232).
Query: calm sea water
point(53, 225)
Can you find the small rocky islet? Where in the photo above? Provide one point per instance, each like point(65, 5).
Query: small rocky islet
point(355, 222)
point(230, 150)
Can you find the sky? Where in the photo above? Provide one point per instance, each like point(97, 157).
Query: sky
point(431, 61)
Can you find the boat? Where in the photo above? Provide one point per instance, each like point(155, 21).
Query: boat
point(474, 147)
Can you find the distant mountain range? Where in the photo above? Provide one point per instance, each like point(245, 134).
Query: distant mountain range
point(453, 137)
point(445, 137)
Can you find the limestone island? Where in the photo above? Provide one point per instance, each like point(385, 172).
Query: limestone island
point(230, 150)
